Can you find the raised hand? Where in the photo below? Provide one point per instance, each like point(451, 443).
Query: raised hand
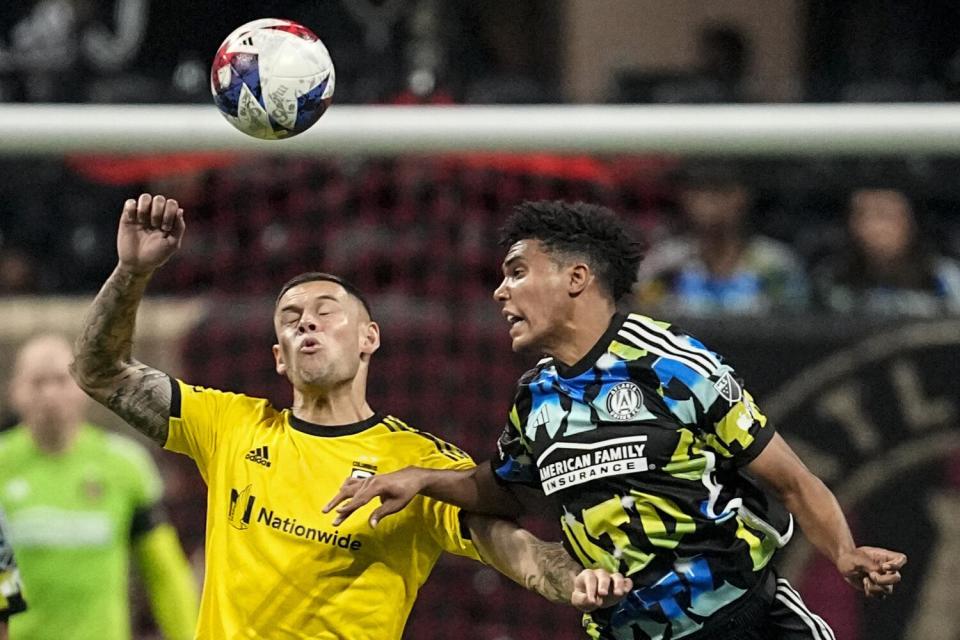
point(872, 570)
point(395, 491)
point(597, 589)
point(151, 230)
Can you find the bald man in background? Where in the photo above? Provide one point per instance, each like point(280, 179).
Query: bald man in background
point(79, 502)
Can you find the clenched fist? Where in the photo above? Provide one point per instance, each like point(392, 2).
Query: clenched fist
point(597, 589)
point(151, 230)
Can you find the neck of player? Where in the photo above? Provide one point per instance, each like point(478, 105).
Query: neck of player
point(341, 405)
point(580, 331)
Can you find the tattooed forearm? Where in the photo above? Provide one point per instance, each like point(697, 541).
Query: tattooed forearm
point(555, 573)
point(543, 567)
point(104, 346)
point(103, 365)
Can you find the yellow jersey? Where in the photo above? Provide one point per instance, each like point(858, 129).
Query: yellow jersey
point(276, 567)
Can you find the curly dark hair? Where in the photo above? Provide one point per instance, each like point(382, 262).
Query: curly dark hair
point(590, 231)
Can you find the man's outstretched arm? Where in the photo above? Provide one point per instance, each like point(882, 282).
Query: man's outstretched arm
point(151, 229)
point(473, 490)
point(872, 570)
point(169, 581)
point(543, 567)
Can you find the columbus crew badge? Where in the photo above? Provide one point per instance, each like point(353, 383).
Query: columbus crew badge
point(363, 470)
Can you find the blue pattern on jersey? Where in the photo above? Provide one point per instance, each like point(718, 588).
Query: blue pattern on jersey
point(667, 369)
point(701, 388)
point(573, 387)
point(515, 471)
point(545, 412)
point(725, 514)
point(615, 373)
point(694, 579)
point(693, 342)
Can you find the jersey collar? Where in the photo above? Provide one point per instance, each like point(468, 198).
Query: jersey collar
point(598, 349)
point(334, 431)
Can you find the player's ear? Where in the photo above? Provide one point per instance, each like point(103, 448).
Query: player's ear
point(278, 357)
point(580, 276)
point(369, 338)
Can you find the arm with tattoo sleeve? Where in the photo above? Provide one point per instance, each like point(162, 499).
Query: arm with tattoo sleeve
point(151, 230)
point(104, 368)
point(543, 567)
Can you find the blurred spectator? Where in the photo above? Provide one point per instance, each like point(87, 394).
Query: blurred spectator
point(81, 503)
point(869, 51)
point(723, 57)
point(886, 268)
point(16, 272)
point(719, 74)
point(493, 57)
point(720, 264)
point(52, 48)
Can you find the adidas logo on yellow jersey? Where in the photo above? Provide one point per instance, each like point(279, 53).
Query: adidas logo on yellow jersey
point(260, 455)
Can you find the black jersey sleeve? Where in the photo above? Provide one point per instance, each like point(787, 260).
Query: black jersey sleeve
point(733, 425)
point(513, 462)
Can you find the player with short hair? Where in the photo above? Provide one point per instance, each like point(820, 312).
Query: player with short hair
point(80, 504)
point(648, 442)
point(276, 566)
point(11, 591)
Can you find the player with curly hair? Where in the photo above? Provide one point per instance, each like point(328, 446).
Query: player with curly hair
point(647, 443)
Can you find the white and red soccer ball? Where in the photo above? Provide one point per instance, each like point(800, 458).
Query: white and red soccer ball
point(272, 78)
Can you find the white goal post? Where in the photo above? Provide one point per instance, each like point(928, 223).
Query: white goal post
point(877, 129)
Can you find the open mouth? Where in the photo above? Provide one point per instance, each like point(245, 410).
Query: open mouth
point(309, 345)
point(514, 320)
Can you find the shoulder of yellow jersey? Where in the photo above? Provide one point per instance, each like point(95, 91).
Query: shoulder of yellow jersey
point(237, 405)
point(426, 449)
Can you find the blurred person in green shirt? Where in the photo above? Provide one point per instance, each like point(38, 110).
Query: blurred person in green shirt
point(79, 502)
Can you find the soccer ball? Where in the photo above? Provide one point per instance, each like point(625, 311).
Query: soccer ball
point(272, 78)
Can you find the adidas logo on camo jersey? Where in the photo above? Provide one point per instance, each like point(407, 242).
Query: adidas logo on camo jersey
point(260, 455)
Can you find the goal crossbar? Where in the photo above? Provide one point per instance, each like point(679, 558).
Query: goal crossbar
point(877, 129)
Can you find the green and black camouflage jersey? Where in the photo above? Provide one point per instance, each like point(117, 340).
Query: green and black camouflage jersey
point(641, 444)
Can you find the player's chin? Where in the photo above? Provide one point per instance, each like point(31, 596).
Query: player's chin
point(315, 376)
point(523, 343)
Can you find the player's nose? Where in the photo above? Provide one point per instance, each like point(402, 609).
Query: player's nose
point(500, 293)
